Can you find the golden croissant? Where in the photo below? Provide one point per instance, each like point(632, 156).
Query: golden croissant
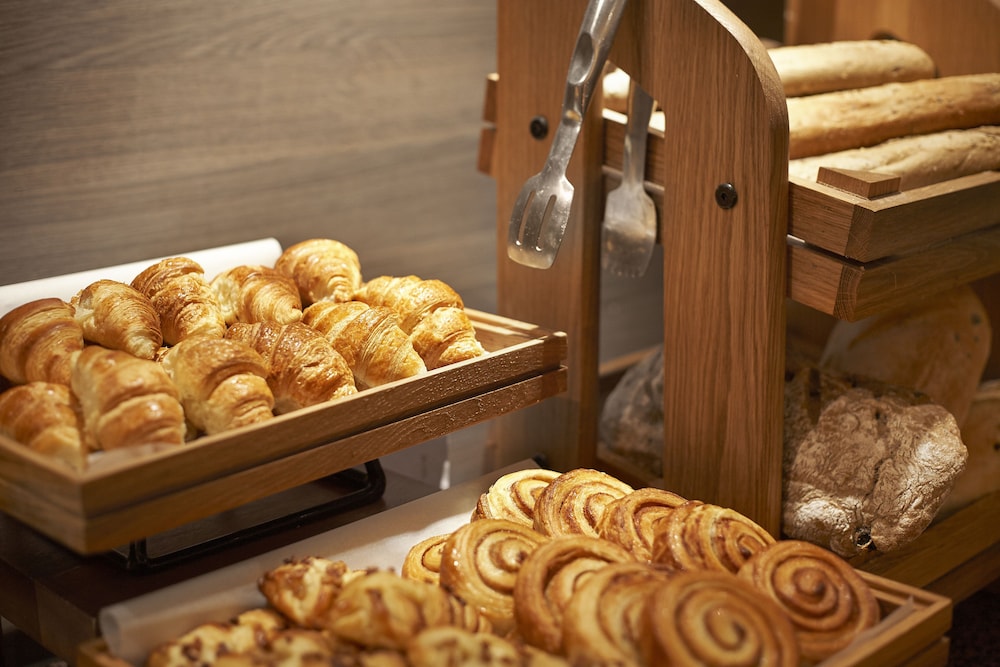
point(38, 340)
point(323, 270)
point(369, 339)
point(45, 416)
point(303, 368)
point(125, 400)
point(182, 297)
point(257, 294)
point(118, 316)
point(431, 312)
point(222, 382)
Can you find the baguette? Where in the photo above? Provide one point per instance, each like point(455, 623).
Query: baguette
point(918, 160)
point(807, 69)
point(846, 119)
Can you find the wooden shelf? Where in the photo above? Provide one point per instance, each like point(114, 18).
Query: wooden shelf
point(118, 500)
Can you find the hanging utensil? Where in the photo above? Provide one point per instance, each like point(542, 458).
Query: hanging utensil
point(538, 221)
point(628, 234)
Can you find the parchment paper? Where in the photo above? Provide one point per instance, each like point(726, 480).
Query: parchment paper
point(213, 260)
point(133, 628)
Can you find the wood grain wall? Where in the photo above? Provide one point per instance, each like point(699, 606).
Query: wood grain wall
point(136, 129)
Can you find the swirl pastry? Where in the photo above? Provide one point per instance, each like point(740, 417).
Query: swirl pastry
point(574, 502)
point(45, 417)
point(710, 618)
point(630, 520)
point(182, 297)
point(702, 536)
point(827, 600)
point(304, 589)
point(423, 561)
point(369, 339)
point(118, 316)
point(323, 270)
point(257, 294)
point(604, 617)
point(303, 368)
point(454, 646)
point(37, 342)
point(547, 580)
point(126, 400)
point(205, 644)
point(222, 383)
point(513, 496)
point(480, 565)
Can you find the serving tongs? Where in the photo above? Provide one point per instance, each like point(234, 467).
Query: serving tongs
point(628, 234)
point(538, 221)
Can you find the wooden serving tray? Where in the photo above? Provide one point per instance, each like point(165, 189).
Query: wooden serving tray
point(916, 638)
point(125, 499)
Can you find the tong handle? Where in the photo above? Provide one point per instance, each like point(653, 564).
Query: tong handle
point(593, 42)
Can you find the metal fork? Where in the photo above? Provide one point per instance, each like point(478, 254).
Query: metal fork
point(538, 221)
point(628, 234)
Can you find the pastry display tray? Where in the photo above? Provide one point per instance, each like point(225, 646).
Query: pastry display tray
point(912, 631)
point(130, 495)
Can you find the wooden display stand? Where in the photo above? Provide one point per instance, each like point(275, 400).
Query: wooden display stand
point(726, 269)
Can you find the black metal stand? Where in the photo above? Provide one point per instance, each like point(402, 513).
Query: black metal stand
point(367, 487)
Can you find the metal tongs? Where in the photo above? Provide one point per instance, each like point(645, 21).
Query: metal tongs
point(538, 221)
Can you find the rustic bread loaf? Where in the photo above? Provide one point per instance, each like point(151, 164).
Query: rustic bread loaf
point(846, 119)
point(918, 160)
point(981, 434)
point(937, 345)
point(866, 465)
point(806, 69)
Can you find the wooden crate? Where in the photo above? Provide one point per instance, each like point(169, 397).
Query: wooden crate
point(916, 638)
point(119, 499)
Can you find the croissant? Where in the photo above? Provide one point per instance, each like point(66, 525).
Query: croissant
point(118, 316)
point(183, 299)
point(45, 416)
point(446, 336)
point(369, 339)
point(411, 297)
point(37, 342)
point(257, 294)
point(323, 270)
point(303, 368)
point(222, 383)
point(125, 400)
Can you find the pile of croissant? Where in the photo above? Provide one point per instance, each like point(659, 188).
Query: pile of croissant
point(175, 354)
point(574, 568)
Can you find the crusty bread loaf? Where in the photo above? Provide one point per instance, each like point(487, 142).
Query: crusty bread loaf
point(846, 119)
point(918, 160)
point(807, 69)
point(937, 345)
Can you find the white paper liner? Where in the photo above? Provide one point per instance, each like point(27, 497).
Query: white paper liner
point(212, 260)
point(135, 627)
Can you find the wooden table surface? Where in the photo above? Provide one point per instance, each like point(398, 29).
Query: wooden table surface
point(54, 595)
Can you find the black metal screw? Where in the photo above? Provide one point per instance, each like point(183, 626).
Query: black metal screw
point(539, 127)
point(725, 195)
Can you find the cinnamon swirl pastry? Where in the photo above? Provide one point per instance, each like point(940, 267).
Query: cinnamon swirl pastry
point(604, 617)
point(513, 496)
point(381, 609)
point(454, 646)
point(700, 536)
point(827, 600)
point(631, 520)
point(480, 564)
point(549, 577)
point(574, 502)
point(710, 618)
point(423, 561)
point(304, 589)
